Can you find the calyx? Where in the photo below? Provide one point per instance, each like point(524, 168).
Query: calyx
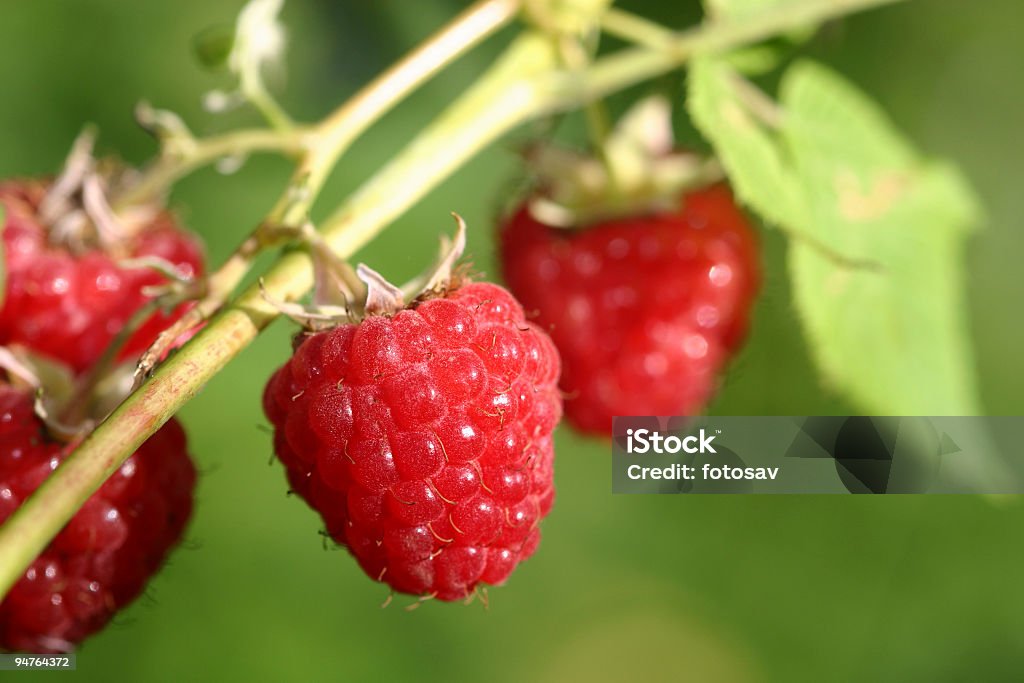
point(638, 171)
point(69, 406)
point(343, 294)
point(77, 207)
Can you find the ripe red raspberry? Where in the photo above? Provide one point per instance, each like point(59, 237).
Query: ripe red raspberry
point(645, 311)
point(424, 439)
point(103, 558)
point(69, 301)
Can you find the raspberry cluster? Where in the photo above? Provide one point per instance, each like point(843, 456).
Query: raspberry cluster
point(424, 439)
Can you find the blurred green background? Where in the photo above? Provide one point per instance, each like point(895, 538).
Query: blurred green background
point(623, 588)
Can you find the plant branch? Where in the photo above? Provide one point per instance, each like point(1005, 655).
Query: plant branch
point(195, 153)
point(257, 94)
point(324, 145)
point(524, 84)
point(636, 29)
point(637, 64)
point(423, 165)
point(347, 123)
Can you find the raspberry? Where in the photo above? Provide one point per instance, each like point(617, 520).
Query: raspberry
point(102, 559)
point(424, 439)
point(69, 303)
point(646, 310)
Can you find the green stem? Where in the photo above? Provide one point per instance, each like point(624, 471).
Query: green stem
point(256, 93)
point(636, 29)
point(501, 100)
point(575, 59)
point(347, 123)
point(522, 85)
point(631, 66)
point(169, 168)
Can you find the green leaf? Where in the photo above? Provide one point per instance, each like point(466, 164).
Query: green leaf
point(835, 174)
point(750, 154)
point(894, 337)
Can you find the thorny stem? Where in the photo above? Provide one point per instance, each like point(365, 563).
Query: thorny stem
point(524, 84)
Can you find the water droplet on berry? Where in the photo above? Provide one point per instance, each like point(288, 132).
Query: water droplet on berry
point(695, 346)
point(720, 275)
point(707, 316)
